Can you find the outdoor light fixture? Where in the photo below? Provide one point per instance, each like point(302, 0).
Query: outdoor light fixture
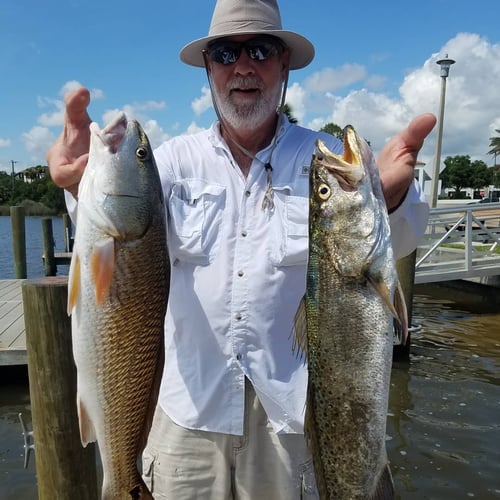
point(445, 70)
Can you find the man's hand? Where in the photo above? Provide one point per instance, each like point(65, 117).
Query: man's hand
point(397, 160)
point(68, 156)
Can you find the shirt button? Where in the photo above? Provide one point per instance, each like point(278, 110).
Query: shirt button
point(240, 273)
point(237, 316)
point(243, 233)
point(238, 356)
point(247, 193)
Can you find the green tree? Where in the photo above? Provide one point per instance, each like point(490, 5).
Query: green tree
point(495, 146)
point(5, 187)
point(36, 187)
point(495, 176)
point(334, 129)
point(287, 109)
point(460, 172)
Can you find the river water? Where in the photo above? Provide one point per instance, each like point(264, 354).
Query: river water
point(34, 246)
point(443, 430)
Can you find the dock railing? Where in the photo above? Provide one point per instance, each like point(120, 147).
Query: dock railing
point(462, 241)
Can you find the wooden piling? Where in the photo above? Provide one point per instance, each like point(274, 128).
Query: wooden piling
point(49, 262)
point(406, 274)
point(68, 233)
point(18, 241)
point(64, 468)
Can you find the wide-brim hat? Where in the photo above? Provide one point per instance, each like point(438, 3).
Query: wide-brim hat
point(249, 17)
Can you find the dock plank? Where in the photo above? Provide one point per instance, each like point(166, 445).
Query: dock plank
point(12, 330)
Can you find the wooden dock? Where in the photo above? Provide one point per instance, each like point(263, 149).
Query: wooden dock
point(12, 332)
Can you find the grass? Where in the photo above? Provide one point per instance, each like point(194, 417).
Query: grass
point(479, 248)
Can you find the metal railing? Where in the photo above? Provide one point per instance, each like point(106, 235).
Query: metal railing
point(460, 242)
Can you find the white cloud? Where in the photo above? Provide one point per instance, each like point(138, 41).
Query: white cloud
point(55, 118)
point(155, 133)
point(69, 86)
point(349, 94)
point(193, 128)
point(37, 141)
point(295, 97)
point(330, 79)
point(4, 143)
point(138, 111)
point(472, 111)
point(201, 104)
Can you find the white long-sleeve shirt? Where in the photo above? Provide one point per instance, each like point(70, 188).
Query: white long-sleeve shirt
point(238, 274)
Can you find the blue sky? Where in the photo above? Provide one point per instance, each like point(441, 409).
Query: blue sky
point(374, 68)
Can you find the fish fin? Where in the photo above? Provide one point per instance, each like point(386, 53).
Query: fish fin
point(385, 486)
point(102, 265)
point(401, 320)
point(73, 283)
point(87, 430)
point(299, 345)
point(383, 291)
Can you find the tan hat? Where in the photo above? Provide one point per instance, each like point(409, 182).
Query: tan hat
point(249, 17)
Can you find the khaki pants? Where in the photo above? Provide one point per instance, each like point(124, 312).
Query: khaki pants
point(182, 464)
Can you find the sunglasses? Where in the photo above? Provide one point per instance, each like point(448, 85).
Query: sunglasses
point(258, 49)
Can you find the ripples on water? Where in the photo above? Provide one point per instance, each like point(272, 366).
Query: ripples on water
point(444, 423)
point(444, 413)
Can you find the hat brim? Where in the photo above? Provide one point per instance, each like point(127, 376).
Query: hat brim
point(301, 49)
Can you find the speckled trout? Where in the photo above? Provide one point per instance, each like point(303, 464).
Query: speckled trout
point(345, 323)
point(117, 297)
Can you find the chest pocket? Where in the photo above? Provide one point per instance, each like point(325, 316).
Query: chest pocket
point(196, 208)
point(290, 229)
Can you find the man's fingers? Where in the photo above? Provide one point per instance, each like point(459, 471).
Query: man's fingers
point(76, 103)
point(418, 129)
point(68, 155)
point(66, 175)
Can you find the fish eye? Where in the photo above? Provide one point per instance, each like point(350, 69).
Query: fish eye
point(324, 191)
point(141, 152)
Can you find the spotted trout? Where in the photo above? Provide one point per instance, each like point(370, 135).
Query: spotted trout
point(117, 297)
point(345, 323)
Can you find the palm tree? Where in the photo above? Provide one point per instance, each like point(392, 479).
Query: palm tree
point(495, 146)
point(287, 109)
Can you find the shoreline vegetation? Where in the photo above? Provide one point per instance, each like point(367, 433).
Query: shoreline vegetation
point(32, 189)
point(32, 208)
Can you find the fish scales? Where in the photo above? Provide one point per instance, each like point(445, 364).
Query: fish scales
point(118, 290)
point(344, 324)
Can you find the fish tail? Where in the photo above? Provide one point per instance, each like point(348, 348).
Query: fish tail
point(385, 486)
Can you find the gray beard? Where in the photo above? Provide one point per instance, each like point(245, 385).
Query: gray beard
point(248, 116)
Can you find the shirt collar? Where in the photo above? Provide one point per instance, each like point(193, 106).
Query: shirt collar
point(218, 141)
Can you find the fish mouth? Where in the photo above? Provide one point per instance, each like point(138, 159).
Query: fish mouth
point(352, 154)
point(347, 168)
point(112, 135)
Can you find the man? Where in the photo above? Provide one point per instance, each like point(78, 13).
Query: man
point(229, 421)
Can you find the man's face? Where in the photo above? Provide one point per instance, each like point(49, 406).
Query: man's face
point(247, 88)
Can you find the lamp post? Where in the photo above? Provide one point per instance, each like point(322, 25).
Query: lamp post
point(445, 70)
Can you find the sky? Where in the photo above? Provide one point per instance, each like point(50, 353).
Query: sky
point(375, 68)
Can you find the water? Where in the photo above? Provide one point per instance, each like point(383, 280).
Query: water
point(444, 411)
point(444, 425)
point(34, 246)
